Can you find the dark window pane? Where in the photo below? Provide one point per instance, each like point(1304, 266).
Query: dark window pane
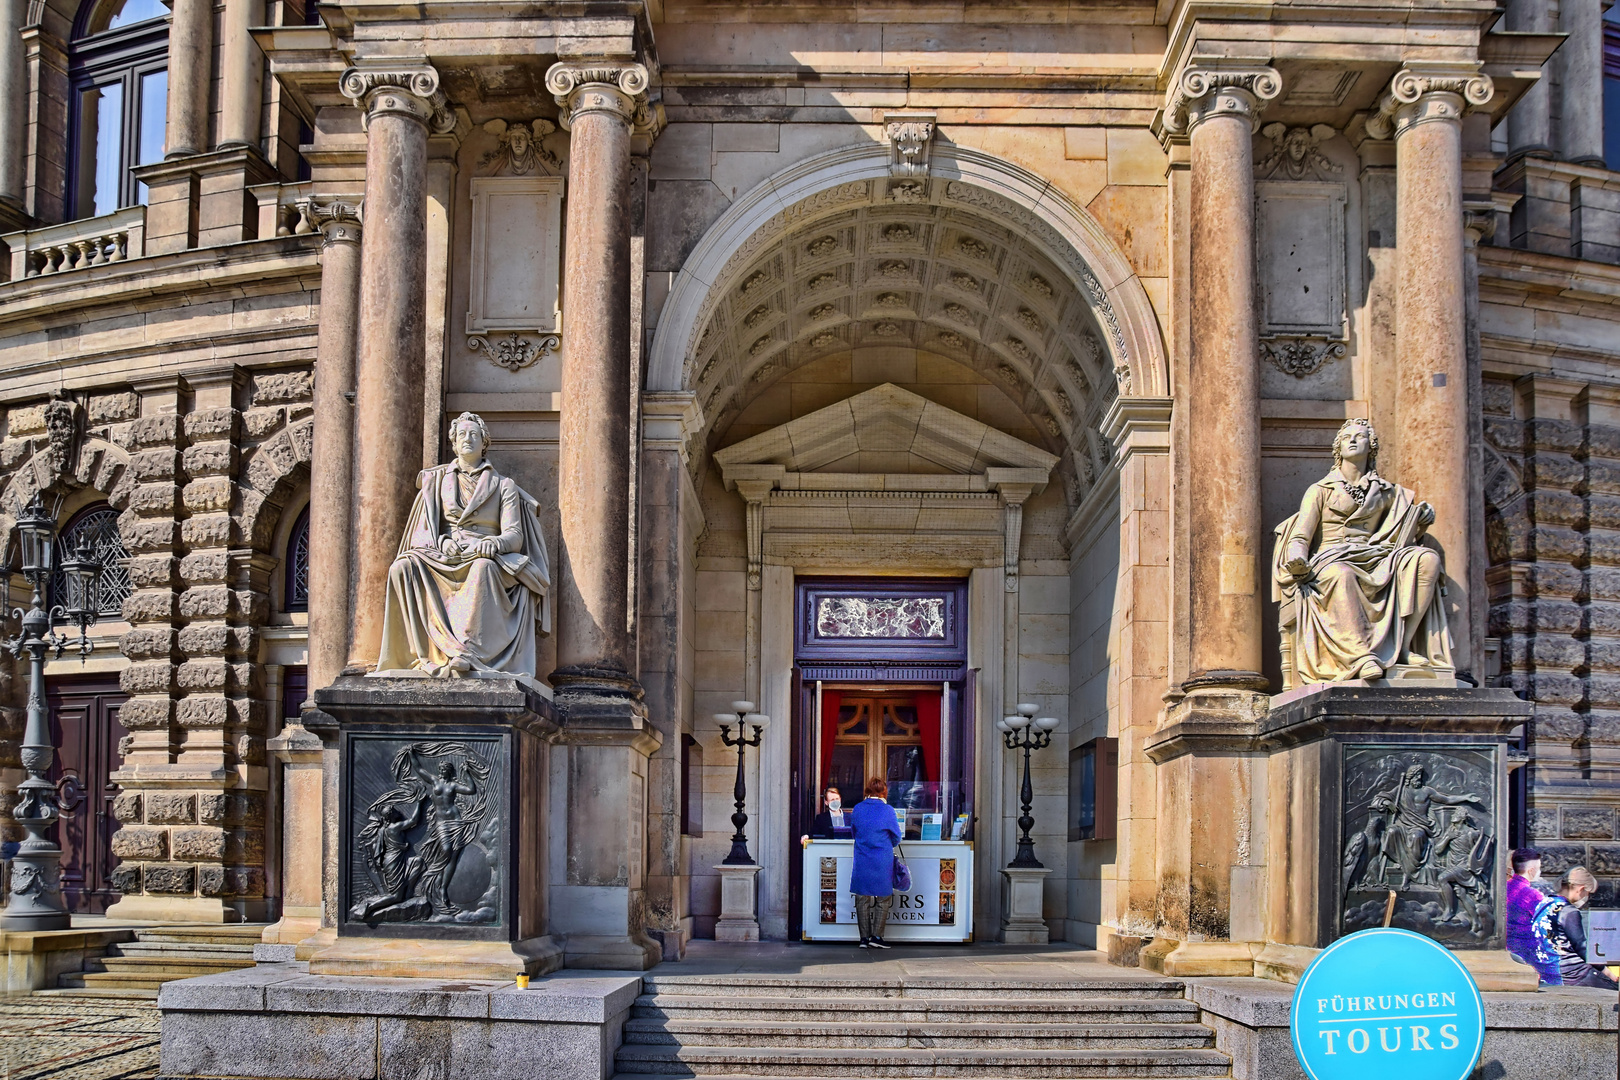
point(101, 125)
point(151, 128)
point(99, 525)
point(297, 594)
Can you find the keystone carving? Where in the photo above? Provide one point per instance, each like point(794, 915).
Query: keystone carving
point(1295, 155)
point(1418, 96)
point(412, 92)
point(910, 134)
point(1203, 92)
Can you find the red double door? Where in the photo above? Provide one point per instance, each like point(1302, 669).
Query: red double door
point(86, 732)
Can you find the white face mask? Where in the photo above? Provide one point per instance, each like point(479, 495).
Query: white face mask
point(834, 804)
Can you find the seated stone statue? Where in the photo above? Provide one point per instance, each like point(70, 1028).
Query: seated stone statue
point(1359, 592)
point(468, 593)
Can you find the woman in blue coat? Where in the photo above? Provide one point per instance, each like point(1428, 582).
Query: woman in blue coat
point(872, 878)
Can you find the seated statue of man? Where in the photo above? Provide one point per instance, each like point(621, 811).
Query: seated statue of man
point(468, 593)
point(1360, 593)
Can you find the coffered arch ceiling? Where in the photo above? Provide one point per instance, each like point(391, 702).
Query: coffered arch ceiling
point(902, 266)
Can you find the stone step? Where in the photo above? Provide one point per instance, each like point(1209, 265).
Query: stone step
point(109, 992)
point(912, 987)
point(906, 1062)
point(833, 1007)
point(211, 934)
point(174, 948)
point(174, 967)
point(104, 980)
point(749, 1032)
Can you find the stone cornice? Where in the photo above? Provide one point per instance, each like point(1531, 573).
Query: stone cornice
point(1418, 95)
point(1200, 92)
point(617, 87)
point(400, 91)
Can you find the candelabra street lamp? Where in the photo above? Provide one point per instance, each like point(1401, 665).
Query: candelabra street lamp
point(745, 717)
point(35, 898)
point(1027, 733)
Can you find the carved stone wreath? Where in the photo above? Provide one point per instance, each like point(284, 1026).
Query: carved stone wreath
point(515, 352)
point(1301, 357)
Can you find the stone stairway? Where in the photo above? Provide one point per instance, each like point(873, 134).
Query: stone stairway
point(160, 954)
point(747, 1026)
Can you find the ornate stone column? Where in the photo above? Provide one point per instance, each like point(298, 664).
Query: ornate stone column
point(241, 75)
point(331, 481)
point(1207, 863)
point(1423, 110)
point(191, 75)
point(13, 118)
point(601, 905)
point(599, 102)
point(1580, 63)
point(401, 105)
point(1218, 109)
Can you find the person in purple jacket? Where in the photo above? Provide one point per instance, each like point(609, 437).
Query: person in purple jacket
point(1520, 908)
point(872, 877)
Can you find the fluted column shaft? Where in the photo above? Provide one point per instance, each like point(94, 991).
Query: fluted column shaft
point(191, 72)
point(599, 104)
point(13, 102)
point(400, 106)
point(1425, 111)
point(331, 479)
point(1581, 90)
point(241, 75)
point(1221, 109)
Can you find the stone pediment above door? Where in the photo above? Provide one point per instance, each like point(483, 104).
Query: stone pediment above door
point(892, 439)
point(885, 480)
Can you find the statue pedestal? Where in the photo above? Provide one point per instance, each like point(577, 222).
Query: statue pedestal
point(737, 892)
point(441, 829)
point(1023, 906)
point(1308, 814)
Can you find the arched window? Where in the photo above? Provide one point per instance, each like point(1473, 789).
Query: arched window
point(98, 524)
point(118, 66)
point(296, 589)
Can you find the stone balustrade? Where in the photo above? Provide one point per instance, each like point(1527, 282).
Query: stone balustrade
point(76, 245)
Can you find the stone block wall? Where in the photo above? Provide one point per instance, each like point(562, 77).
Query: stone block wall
point(1553, 531)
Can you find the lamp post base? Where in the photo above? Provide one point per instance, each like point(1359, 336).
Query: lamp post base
point(1023, 907)
point(737, 921)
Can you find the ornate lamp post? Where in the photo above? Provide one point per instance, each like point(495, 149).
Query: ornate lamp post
point(35, 899)
point(745, 716)
point(1025, 732)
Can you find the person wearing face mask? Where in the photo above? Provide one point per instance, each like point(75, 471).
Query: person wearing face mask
point(1559, 929)
point(834, 821)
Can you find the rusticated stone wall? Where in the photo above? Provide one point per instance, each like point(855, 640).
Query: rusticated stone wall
point(1553, 533)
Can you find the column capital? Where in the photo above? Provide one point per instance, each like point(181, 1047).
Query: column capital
point(400, 91)
point(338, 222)
point(1201, 92)
point(1479, 221)
point(1418, 95)
point(618, 87)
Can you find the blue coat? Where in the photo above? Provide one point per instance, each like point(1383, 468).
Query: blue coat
point(875, 837)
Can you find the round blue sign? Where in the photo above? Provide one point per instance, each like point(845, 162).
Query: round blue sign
point(1387, 1003)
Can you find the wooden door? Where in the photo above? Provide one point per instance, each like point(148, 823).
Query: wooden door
point(877, 735)
point(86, 731)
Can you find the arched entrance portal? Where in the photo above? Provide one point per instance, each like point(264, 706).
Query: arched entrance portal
point(909, 377)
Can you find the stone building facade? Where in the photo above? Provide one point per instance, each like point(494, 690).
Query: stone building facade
point(1064, 302)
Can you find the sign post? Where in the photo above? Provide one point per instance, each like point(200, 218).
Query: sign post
point(1387, 1002)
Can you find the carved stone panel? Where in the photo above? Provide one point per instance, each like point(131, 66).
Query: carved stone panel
point(1300, 235)
point(1422, 822)
point(427, 843)
point(513, 312)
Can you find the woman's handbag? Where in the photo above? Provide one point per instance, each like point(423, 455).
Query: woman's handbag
point(901, 873)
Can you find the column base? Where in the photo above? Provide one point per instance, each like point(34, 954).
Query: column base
point(415, 958)
point(737, 893)
point(1207, 959)
point(290, 929)
point(587, 695)
point(179, 909)
point(1024, 906)
point(323, 938)
point(604, 953)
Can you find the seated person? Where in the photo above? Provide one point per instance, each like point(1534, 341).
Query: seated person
point(833, 821)
point(1558, 926)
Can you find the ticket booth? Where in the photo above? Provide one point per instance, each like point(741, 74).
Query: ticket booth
point(883, 689)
